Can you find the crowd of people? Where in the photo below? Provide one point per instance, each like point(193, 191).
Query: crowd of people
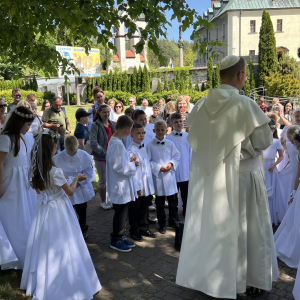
point(142, 157)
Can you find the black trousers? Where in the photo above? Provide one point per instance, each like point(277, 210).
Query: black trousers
point(138, 214)
point(119, 221)
point(184, 188)
point(173, 211)
point(81, 212)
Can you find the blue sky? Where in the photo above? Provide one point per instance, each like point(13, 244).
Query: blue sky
point(200, 6)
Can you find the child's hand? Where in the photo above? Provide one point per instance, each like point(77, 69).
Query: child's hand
point(81, 177)
point(139, 193)
point(271, 169)
point(168, 167)
point(291, 201)
point(136, 163)
point(163, 169)
point(67, 177)
point(133, 158)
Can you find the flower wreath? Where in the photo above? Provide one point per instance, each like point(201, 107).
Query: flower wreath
point(28, 116)
point(37, 132)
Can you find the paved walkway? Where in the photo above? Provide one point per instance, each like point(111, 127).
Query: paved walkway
point(149, 270)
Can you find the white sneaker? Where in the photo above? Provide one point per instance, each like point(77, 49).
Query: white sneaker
point(104, 205)
point(166, 204)
point(152, 207)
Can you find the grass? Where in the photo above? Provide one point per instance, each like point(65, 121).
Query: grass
point(10, 285)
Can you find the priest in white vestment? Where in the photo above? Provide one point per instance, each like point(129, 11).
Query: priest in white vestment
point(228, 247)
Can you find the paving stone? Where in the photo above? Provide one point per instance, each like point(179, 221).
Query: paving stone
point(149, 270)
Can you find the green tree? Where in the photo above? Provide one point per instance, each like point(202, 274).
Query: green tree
point(104, 82)
point(282, 85)
point(139, 79)
point(119, 87)
point(203, 87)
point(166, 83)
point(190, 85)
point(115, 81)
point(182, 86)
point(134, 88)
point(197, 87)
point(247, 83)
point(288, 65)
point(267, 57)
point(23, 29)
point(252, 81)
point(159, 89)
point(129, 89)
point(217, 75)
point(210, 73)
point(172, 86)
point(146, 81)
point(124, 86)
point(110, 81)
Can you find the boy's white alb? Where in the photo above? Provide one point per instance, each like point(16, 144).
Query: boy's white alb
point(119, 173)
point(229, 61)
point(160, 155)
point(80, 163)
point(143, 177)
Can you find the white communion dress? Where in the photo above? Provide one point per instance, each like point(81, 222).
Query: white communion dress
point(287, 236)
point(57, 264)
point(287, 178)
point(272, 178)
point(16, 209)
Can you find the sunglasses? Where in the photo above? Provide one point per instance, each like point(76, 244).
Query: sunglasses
point(18, 95)
point(118, 106)
point(3, 105)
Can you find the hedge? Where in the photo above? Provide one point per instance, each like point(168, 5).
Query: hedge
point(167, 95)
point(6, 95)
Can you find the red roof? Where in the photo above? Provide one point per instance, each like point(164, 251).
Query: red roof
point(130, 54)
point(116, 57)
point(142, 58)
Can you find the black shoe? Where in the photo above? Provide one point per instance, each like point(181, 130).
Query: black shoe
point(148, 233)
point(162, 230)
point(136, 237)
point(174, 225)
point(151, 221)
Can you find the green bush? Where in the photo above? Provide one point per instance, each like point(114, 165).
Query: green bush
point(195, 96)
point(6, 95)
point(72, 99)
point(48, 95)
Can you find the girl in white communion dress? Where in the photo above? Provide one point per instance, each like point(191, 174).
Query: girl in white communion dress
point(57, 262)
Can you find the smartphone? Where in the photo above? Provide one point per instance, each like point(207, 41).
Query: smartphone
point(61, 125)
point(277, 108)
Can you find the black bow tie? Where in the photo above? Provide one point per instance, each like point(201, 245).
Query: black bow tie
point(141, 146)
point(160, 143)
point(178, 134)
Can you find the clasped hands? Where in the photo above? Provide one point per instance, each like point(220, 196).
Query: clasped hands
point(133, 158)
point(167, 168)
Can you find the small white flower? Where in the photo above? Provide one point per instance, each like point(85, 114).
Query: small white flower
point(297, 131)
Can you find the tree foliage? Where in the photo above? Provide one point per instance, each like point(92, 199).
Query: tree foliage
point(197, 87)
point(247, 83)
point(134, 80)
point(145, 80)
point(166, 83)
point(172, 86)
point(124, 81)
point(25, 27)
point(217, 75)
point(210, 73)
point(288, 65)
point(267, 57)
point(282, 85)
point(158, 90)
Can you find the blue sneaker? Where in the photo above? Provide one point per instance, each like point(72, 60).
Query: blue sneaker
point(128, 243)
point(120, 246)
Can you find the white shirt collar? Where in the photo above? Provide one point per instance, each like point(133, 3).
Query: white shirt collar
point(136, 144)
point(174, 132)
point(161, 141)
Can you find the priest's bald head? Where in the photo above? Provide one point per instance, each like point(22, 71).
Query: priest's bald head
point(233, 71)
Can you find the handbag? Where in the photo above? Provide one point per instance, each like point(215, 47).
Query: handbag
point(87, 146)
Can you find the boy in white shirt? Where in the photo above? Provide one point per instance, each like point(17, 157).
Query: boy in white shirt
point(74, 161)
point(164, 158)
point(119, 183)
point(179, 138)
point(143, 184)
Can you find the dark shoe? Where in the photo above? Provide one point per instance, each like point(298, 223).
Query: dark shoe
point(151, 221)
point(162, 230)
point(148, 233)
point(173, 225)
point(136, 237)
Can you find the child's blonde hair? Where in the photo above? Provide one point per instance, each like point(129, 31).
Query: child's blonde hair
point(71, 143)
point(291, 130)
point(170, 107)
point(24, 104)
point(160, 123)
point(33, 106)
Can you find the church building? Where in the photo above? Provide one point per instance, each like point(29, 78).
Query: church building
point(237, 24)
